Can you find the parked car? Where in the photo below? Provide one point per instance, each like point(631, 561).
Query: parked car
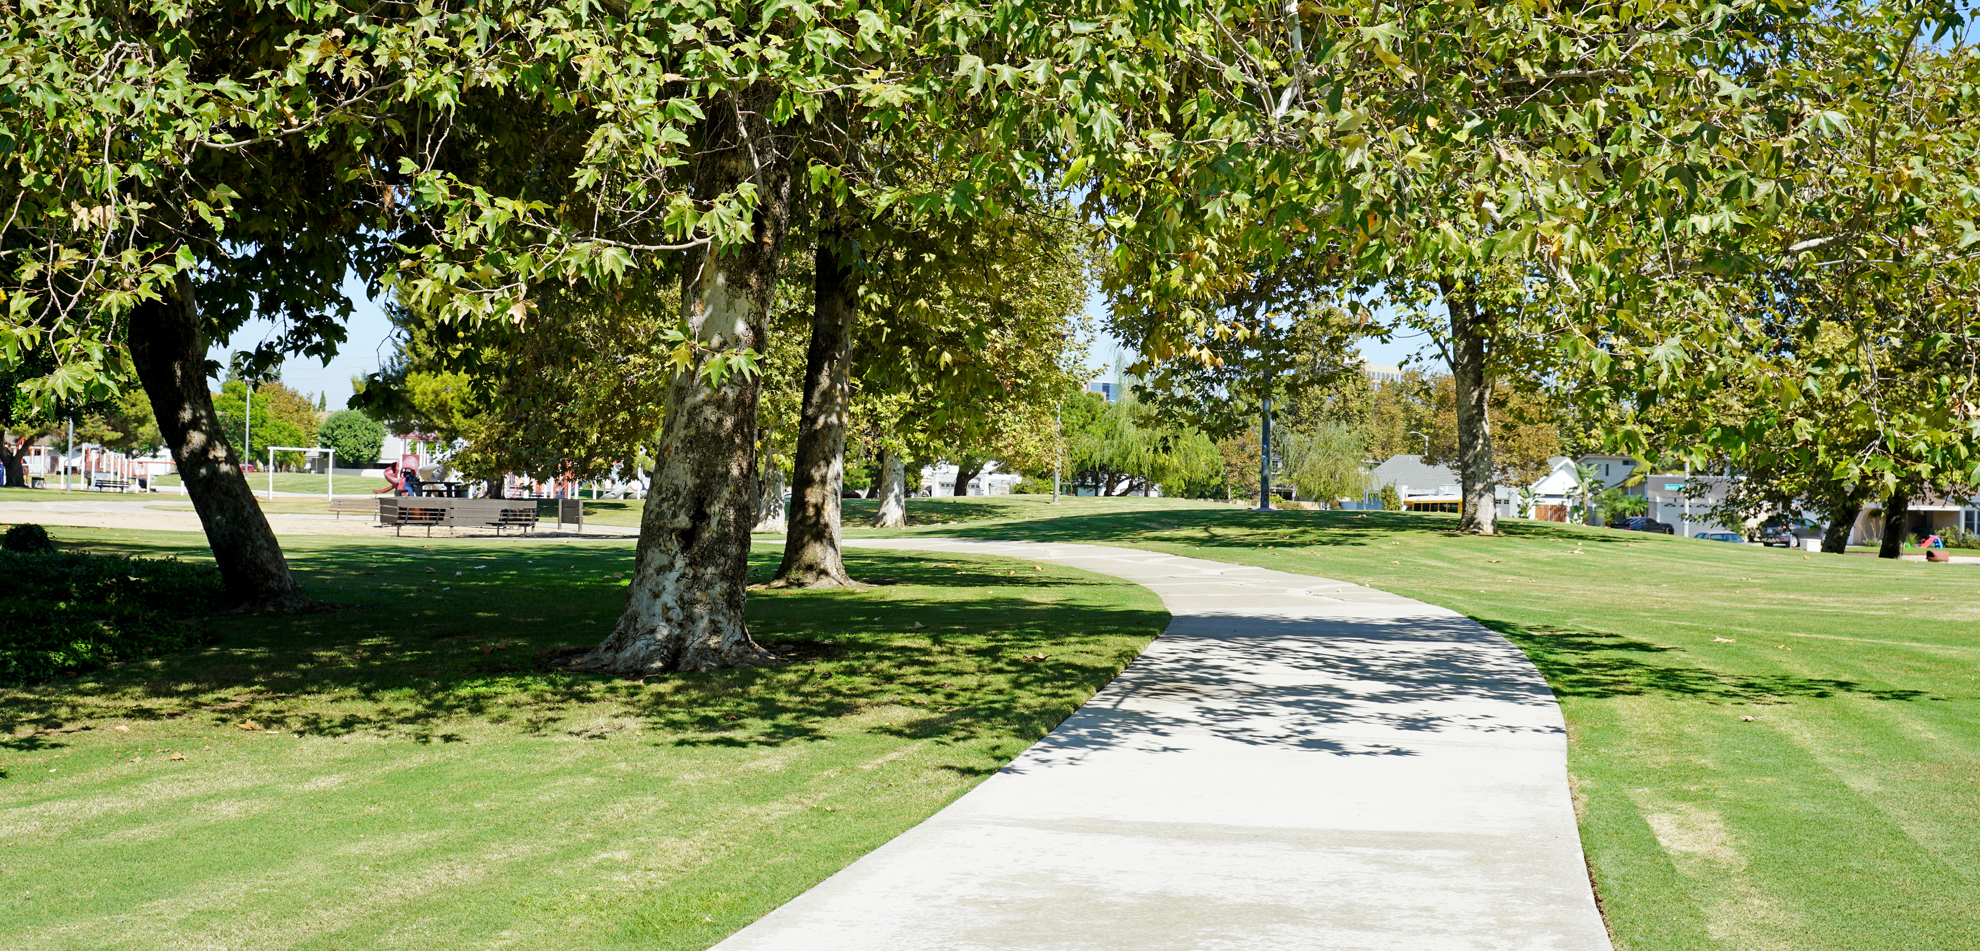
point(1641, 523)
point(1788, 532)
point(1733, 538)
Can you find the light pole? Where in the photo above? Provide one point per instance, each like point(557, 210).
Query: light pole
point(1058, 449)
point(1426, 441)
point(1265, 455)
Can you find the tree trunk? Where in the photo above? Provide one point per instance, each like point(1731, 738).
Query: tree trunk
point(1842, 520)
point(1894, 512)
point(1474, 399)
point(684, 611)
point(770, 500)
point(966, 470)
point(13, 468)
point(811, 550)
point(168, 349)
point(893, 493)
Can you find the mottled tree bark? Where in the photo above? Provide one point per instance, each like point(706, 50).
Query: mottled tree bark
point(168, 349)
point(684, 611)
point(1469, 320)
point(1895, 510)
point(966, 470)
point(770, 500)
point(811, 549)
point(893, 493)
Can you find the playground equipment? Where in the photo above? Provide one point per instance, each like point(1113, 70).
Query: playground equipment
point(408, 477)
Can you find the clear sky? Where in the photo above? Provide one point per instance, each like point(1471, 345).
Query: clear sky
point(367, 345)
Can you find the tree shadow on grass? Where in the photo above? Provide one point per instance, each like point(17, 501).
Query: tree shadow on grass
point(1605, 666)
point(1000, 648)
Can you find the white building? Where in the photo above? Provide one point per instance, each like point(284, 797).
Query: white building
point(940, 481)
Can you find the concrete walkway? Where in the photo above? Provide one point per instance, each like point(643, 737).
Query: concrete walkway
point(1294, 763)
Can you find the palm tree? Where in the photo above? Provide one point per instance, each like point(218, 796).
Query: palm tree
point(1587, 483)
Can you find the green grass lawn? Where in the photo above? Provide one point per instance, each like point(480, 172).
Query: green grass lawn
point(1769, 749)
point(54, 493)
point(408, 771)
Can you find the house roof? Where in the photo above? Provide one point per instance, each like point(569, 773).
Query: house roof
point(1409, 470)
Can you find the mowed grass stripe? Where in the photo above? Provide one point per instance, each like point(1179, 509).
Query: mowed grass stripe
point(1841, 816)
point(430, 783)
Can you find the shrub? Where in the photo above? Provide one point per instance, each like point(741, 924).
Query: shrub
point(1031, 485)
point(67, 612)
point(27, 538)
point(357, 438)
point(1391, 499)
point(1960, 538)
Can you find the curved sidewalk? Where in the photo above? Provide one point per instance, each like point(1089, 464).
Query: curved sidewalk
point(1295, 763)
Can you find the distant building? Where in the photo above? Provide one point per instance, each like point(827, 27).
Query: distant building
point(1381, 374)
point(1111, 392)
point(940, 481)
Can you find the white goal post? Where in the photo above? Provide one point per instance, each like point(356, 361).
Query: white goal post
point(329, 492)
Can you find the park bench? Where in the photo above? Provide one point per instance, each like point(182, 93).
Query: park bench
point(108, 484)
point(498, 514)
point(366, 507)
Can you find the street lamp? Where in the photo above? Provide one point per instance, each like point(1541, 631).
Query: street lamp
point(1426, 441)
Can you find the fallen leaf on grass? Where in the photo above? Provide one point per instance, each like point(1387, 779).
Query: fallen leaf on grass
point(1751, 719)
point(916, 626)
point(121, 728)
point(177, 756)
point(429, 570)
point(249, 725)
point(1724, 640)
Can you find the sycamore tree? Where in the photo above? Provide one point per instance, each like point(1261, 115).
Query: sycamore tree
point(968, 356)
point(967, 319)
point(1511, 157)
point(1845, 333)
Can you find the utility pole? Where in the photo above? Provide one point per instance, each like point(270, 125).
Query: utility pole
point(1265, 455)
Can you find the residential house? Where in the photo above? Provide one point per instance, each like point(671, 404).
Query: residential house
point(1928, 515)
point(1426, 488)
